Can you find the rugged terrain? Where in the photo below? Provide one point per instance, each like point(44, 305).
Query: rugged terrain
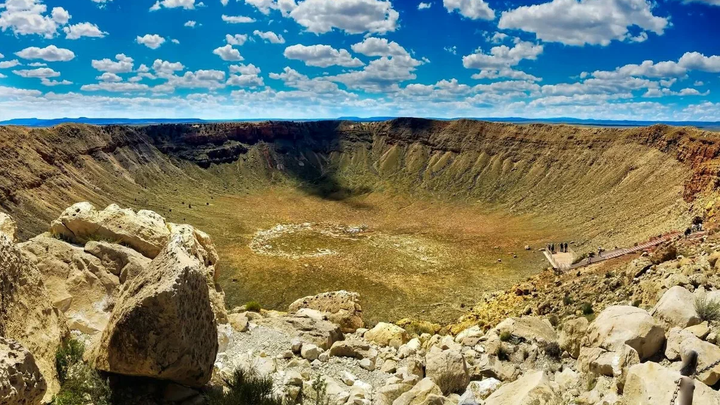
point(438, 202)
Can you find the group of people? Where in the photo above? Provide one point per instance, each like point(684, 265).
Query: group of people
point(563, 248)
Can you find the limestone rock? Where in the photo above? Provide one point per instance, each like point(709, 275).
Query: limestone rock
point(21, 382)
point(619, 325)
point(387, 334)
point(340, 307)
point(78, 283)
point(318, 332)
point(163, 324)
point(701, 330)
point(529, 328)
point(602, 362)
point(418, 395)
point(650, 384)
point(8, 226)
point(121, 261)
point(144, 231)
point(447, 368)
point(677, 308)
point(681, 341)
point(477, 391)
point(532, 389)
point(573, 330)
point(353, 348)
point(27, 314)
point(239, 322)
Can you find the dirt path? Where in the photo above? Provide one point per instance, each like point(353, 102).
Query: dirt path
point(621, 252)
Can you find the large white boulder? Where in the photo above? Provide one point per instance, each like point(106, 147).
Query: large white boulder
point(677, 308)
point(21, 382)
point(621, 325)
point(477, 391)
point(651, 384)
point(119, 260)
point(163, 325)
point(529, 328)
point(145, 231)
point(533, 388)
point(27, 314)
point(340, 307)
point(681, 341)
point(418, 395)
point(573, 330)
point(447, 368)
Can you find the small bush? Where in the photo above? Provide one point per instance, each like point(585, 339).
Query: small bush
point(554, 320)
point(503, 354)
point(253, 306)
point(567, 300)
point(553, 350)
point(586, 308)
point(505, 336)
point(319, 386)
point(245, 388)
point(707, 310)
point(80, 384)
point(451, 384)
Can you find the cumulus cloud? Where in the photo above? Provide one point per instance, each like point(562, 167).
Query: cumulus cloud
point(698, 61)
point(186, 4)
point(424, 6)
point(321, 56)
point(50, 53)
point(270, 36)
point(245, 76)
point(152, 41)
point(228, 53)
point(164, 68)
point(60, 15)
point(9, 63)
point(190, 24)
point(594, 22)
point(237, 39)
point(115, 87)
point(28, 17)
point(473, 9)
point(122, 64)
point(237, 19)
point(501, 58)
point(351, 16)
point(86, 29)
point(37, 73)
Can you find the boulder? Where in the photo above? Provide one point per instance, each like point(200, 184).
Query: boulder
point(145, 231)
point(650, 384)
point(418, 395)
point(447, 368)
point(27, 314)
point(387, 334)
point(619, 325)
point(477, 391)
point(532, 389)
point(163, 325)
point(8, 226)
point(612, 364)
point(573, 330)
point(77, 282)
point(321, 333)
point(353, 348)
point(682, 341)
point(529, 328)
point(21, 382)
point(340, 307)
point(119, 260)
point(676, 308)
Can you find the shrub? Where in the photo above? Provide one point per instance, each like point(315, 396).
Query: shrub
point(451, 383)
point(253, 306)
point(319, 386)
point(80, 384)
point(586, 308)
point(707, 310)
point(505, 336)
point(503, 354)
point(245, 388)
point(553, 350)
point(554, 320)
point(567, 300)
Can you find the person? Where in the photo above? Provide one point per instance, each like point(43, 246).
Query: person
point(552, 248)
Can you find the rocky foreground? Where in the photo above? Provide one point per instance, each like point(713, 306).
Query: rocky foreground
point(140, 294)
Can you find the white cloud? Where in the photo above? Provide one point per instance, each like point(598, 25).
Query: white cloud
point(152, 41)
point(1, 56)
point(245, 80)
point(237, 19)
point(698, 61)
point(186, 4)
point(237, 39)
point(594, 22)
point(52, 83)
point(109, 77)
point(451, 49)
point(503, 56)
point(60, 15)
point(351, 16)
point(710, 2)
point(37, 73)
point(228, 53)
point(190, 24)
point(383, 74)
point(245, 69)
point(473, 9)
point(424, 6)
point(321, 56)
point(28, 17)
point(270, 36)
point(9, 63)
point(175, 41)
point(208, 79)
point(264, 6)
point(379, 47)
point(2, 76)
point(115, 87)
point(165, 69)
point(85, 29)
point(50, 53)
point(124, 64)
point(505, 72)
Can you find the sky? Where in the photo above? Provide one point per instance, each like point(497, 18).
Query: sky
point(249, 59)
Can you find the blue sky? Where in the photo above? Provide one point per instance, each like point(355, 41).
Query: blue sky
point(234, 59)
